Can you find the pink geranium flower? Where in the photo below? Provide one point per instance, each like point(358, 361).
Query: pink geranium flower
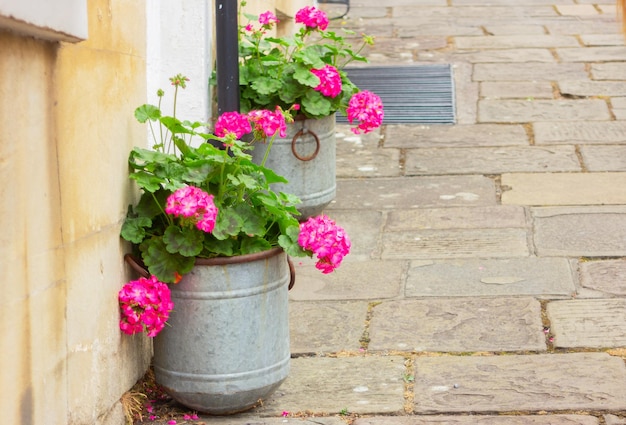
point(367, 108)
point(192, 202)
point(269, 123)
point(312, 17)
point(268, 18)
point(232, 123)
point(146, 305)
point(328, 241)
point(330, 81)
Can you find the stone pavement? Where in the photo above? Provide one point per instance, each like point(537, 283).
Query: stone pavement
point(487, 283)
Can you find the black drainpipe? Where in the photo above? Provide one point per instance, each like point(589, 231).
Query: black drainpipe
point(227, 51)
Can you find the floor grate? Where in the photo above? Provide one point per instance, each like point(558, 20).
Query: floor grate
point(422, 94)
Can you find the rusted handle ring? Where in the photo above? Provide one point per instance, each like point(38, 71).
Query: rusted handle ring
point(292, 274)
point(134, 264)
point(297, 136)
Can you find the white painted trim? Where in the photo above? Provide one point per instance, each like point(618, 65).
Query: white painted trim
point(179, 40)
point(57, 20)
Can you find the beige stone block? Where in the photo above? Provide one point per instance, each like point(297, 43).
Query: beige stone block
point(576, 10)
point(118, 26)
point(33, 357)
point(96, 124)
point(564, 188)
point(95, 275)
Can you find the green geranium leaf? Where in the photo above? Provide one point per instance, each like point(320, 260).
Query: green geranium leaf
point(147, 112)
point(165, 266)
point(265, 86)
point(220, 247)
point(252, 245)
point(197, 172)
point(311, 56)
point(152, 204)
point(316, 104)
point(147, 181)
point(186, 241)
point(289, 242)
point(134, 229)
point(305, 77)
point(175, 125)
point(227, 224)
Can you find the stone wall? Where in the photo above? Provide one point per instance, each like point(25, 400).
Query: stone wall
point(66, 126)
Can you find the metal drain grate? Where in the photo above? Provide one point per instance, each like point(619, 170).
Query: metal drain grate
point(422, 94)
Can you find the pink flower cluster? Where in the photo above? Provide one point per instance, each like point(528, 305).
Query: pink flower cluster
point(144, 303)
point(269, 122)
point(367, 108)
point(312, 18)
point(268, 18)
point(232, 122)
point(193, 202)
point(326, 240)
point(330, 81)
point(265, 121)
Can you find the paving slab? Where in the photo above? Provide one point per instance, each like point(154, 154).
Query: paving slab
point(363, 229)
point(576, 27)
point(529, 72)
point(457, 325)
point(576, 9)
point(326, 327)
point(506, 55)
point(604, 157)
point(614, 420)
point(540, 277)
point(602, 40)
point(618, 107)
point(466, 91)
point(595, 323)
point(580, 231)
point(607, 277)
point(515, 41)
point(592, 88)
point(550, 382)
point(569, 132)
point(564, 188)
point(357, 280)
point(433, 136)
point(360, 155)
point(609, 70)
point(518, 89)
point(480, 420)
point(523, 111)
point(503, 29)
point(592, 54)
point(490, 160)
point(456, 243)
point(413, 192)
point(495, 216)
point(325, 385)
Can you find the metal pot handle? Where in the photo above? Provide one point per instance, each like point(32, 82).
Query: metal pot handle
point(134, 264)
point(299, 134)
point(292, 273)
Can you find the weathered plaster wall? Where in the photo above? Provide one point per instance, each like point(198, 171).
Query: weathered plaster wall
point(66, 126)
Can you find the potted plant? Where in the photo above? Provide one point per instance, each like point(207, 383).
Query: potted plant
point(211, 240)
point(306, 69)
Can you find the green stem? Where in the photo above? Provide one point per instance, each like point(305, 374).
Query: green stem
point(267, 151)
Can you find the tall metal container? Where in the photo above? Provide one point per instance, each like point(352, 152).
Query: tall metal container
point(305, 157)
point(226, 345)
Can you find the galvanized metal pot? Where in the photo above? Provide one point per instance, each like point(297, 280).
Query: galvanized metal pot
point(305, 157)
point(226, 345)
